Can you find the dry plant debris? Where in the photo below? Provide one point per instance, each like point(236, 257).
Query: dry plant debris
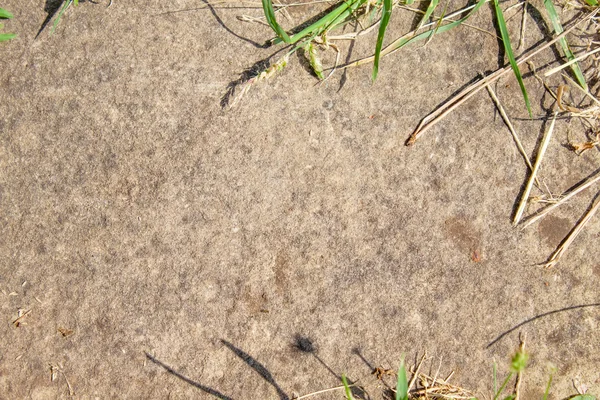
point(55, 370)
point(21, 314)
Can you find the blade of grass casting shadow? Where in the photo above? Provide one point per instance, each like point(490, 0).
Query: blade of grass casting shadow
point(514, 328)
point(51, 8)
point(184, 378)
point(258, 367)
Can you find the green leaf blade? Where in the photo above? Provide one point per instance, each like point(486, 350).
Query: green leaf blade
point(385, 19)
point(272, 21)
point(402, 383)
point(347, 388)
point(558, 29)
point(510, 54)
point(7, 36)
point(5, 14)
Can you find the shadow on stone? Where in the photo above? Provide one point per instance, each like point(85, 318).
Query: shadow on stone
point(258, 367)
point(184, 378)
point(514, 328)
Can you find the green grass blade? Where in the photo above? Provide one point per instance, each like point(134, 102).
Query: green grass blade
point(495, 377)
point(385, 19)
point(318, 27)
point(510, 54)
point(558, 29)
point(432, 5)
point(7, 36)
point(5, 14)
point(64, 8)
point(347, 388)
point(592, 3)
point(270, 16)
point(402, 383)
point(583, 397)
point(499, 392)
point(343, 17)
point(399, 43)
point(548, 387)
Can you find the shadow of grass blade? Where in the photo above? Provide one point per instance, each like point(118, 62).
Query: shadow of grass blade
point(347, 388)
point(558, 29)
point(385, 19)
point(402, 383)
point(270, 16)
point(510, 54)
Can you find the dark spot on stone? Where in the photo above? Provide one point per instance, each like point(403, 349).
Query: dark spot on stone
point(304, 344)
point(554, 229)
point(465, 236)
point(328, 104)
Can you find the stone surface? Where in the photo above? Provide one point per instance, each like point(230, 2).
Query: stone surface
point(258, 252)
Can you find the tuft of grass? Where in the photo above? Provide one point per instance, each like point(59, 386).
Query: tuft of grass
point(5, 36)
point(509, 53)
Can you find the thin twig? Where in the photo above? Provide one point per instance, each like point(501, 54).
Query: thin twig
point(523, 25)
point(416, 373)
point(564, 198)
point(555, 257)
point(322, 391)
point(573, 61)
point(434, 117)
point(512, 130)
point(538, 161)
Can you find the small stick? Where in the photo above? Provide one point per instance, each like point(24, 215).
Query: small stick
point(17, 321)
point(437, 372)
point(555, 257)
point(536, 166)
point(322, 391)
point(573, 61)
point(586, 92)
point(511, 129)
point(416, 373)
point(523, 25)
point(434, 117)
point(563, 198)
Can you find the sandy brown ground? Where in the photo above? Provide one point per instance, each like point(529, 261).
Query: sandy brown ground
point(146, 219)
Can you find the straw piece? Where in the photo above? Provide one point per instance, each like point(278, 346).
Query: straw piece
point(536, 166)
point(555, 257)
point(564, 198)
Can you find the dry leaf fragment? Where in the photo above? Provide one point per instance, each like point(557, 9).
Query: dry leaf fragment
point(65, 332)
